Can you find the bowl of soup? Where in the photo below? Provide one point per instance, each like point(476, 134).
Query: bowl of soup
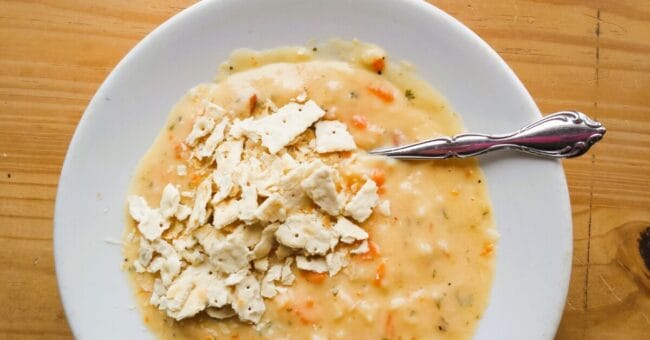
point(238, 198)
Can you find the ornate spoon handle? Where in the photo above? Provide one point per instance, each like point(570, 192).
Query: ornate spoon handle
point(559, 135)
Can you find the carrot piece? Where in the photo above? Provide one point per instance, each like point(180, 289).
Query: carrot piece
point(313, 277)
point(380, 273)
point(252, 102)
point(378, 175)
point(306, 311)
point(359, 122)
point(487, 250)
point(373, 251)
point(389, 327)
point(382, 94)
point(378, 64)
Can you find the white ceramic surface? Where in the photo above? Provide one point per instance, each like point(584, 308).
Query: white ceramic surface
point(529, 195)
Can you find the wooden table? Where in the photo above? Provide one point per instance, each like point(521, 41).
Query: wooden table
point(592, 56)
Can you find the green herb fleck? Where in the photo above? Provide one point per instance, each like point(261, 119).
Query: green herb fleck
point(434, 274)
point(354, 95)
point(485, 212)
point(444, 214)
point(171, 127)
point(314, 49)
point(409, 94)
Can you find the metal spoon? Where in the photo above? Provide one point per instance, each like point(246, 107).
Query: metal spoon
point(560, 135)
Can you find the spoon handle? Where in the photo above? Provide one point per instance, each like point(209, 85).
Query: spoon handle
point(560, 135)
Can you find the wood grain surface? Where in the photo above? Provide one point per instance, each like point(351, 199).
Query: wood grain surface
point(592, 56)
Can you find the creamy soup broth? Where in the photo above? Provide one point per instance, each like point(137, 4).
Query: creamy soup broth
point(431, 263)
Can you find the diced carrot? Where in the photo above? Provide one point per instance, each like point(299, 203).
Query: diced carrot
point(380, 273)
point(381, 191)
point(312, 277)
point(252, 102)
point(306, 311)
point(487, 249)
point(378, 175)
point(389, 327)
point(373, 251)
point(382, 94)
point(378, 64)
point(359, 122)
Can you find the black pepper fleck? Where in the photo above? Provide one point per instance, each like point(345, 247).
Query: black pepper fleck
point(8, 175)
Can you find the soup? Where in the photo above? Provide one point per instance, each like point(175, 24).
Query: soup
point(358, 246)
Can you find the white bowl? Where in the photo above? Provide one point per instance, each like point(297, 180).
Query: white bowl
point(529, 195)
